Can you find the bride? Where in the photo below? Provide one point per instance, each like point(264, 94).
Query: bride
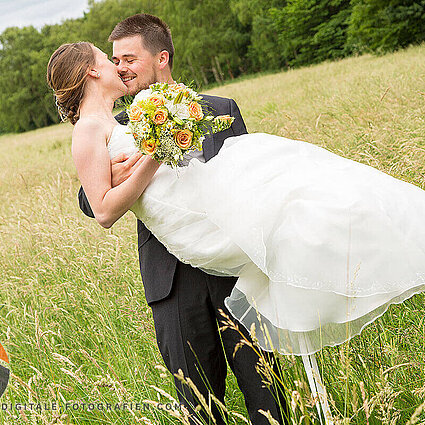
point(321, 245)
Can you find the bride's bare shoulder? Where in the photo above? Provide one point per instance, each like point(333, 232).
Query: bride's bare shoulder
point(90, 128)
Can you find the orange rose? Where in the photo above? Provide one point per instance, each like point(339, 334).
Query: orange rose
point(135, 113)
point(184, 138)
point(149, 146)
point(195, 111)
point(225, 118)
point(160, 116)
point(156, 99)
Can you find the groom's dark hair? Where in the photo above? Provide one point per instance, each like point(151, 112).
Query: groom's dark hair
point(155, 33)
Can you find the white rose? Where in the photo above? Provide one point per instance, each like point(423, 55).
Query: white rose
point(168, 104)
point(180, 111)
point(142, 95)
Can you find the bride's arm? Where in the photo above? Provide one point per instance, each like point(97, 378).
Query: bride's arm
point(93, 165)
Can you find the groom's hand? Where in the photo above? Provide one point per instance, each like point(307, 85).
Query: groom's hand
point(123, 166)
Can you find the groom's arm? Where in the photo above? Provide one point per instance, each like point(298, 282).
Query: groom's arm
point(84, 203)
point(238, 125)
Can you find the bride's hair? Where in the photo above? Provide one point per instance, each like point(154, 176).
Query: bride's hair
point(67, 76)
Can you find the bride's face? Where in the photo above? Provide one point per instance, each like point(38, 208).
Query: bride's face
point(108, 75)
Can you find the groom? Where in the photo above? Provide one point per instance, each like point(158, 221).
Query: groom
point(184, 300)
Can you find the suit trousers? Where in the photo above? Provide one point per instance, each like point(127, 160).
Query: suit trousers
point(186, 325)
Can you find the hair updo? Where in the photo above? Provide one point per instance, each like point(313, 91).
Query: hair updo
point(67, 76)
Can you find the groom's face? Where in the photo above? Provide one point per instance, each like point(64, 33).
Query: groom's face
point(136, 66)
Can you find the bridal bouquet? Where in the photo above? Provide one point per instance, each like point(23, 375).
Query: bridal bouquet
point(167, 120)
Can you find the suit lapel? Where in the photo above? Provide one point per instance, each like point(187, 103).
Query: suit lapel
point(122, 118)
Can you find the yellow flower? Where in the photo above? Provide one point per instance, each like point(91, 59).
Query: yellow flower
point(225, 118)
point(177, 87)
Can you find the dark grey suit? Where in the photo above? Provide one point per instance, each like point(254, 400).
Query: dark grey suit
point(184, 301)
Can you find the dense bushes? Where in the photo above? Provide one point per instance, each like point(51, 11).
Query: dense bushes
point(215, 40)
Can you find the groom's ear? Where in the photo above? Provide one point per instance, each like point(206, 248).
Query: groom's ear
point(163, 58)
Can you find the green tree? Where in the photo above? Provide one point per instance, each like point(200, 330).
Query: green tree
point(214, 40)
point(209, 40)
point(28, 103)
point(382, 25)
point(312, 31)
point(102, 17)
point(261, 19)
point(23, 101)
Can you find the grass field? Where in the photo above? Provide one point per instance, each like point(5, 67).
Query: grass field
point(73, 317)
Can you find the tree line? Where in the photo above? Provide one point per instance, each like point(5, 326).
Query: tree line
point(215, 41)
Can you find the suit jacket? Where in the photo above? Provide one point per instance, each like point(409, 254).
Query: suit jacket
point(157, 265)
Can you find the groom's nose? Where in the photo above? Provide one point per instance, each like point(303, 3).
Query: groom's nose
point(122, 68)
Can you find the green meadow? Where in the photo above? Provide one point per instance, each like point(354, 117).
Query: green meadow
point(73, 317)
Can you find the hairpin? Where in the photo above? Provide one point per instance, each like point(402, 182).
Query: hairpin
point(63, 113)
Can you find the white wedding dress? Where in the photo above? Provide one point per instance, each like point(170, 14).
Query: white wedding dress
point(322, 245)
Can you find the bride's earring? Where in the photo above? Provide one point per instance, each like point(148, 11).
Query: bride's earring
point(98, 75)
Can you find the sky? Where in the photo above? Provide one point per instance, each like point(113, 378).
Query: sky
point(20, 13)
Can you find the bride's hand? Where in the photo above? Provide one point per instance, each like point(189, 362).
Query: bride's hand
point(123, 166)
